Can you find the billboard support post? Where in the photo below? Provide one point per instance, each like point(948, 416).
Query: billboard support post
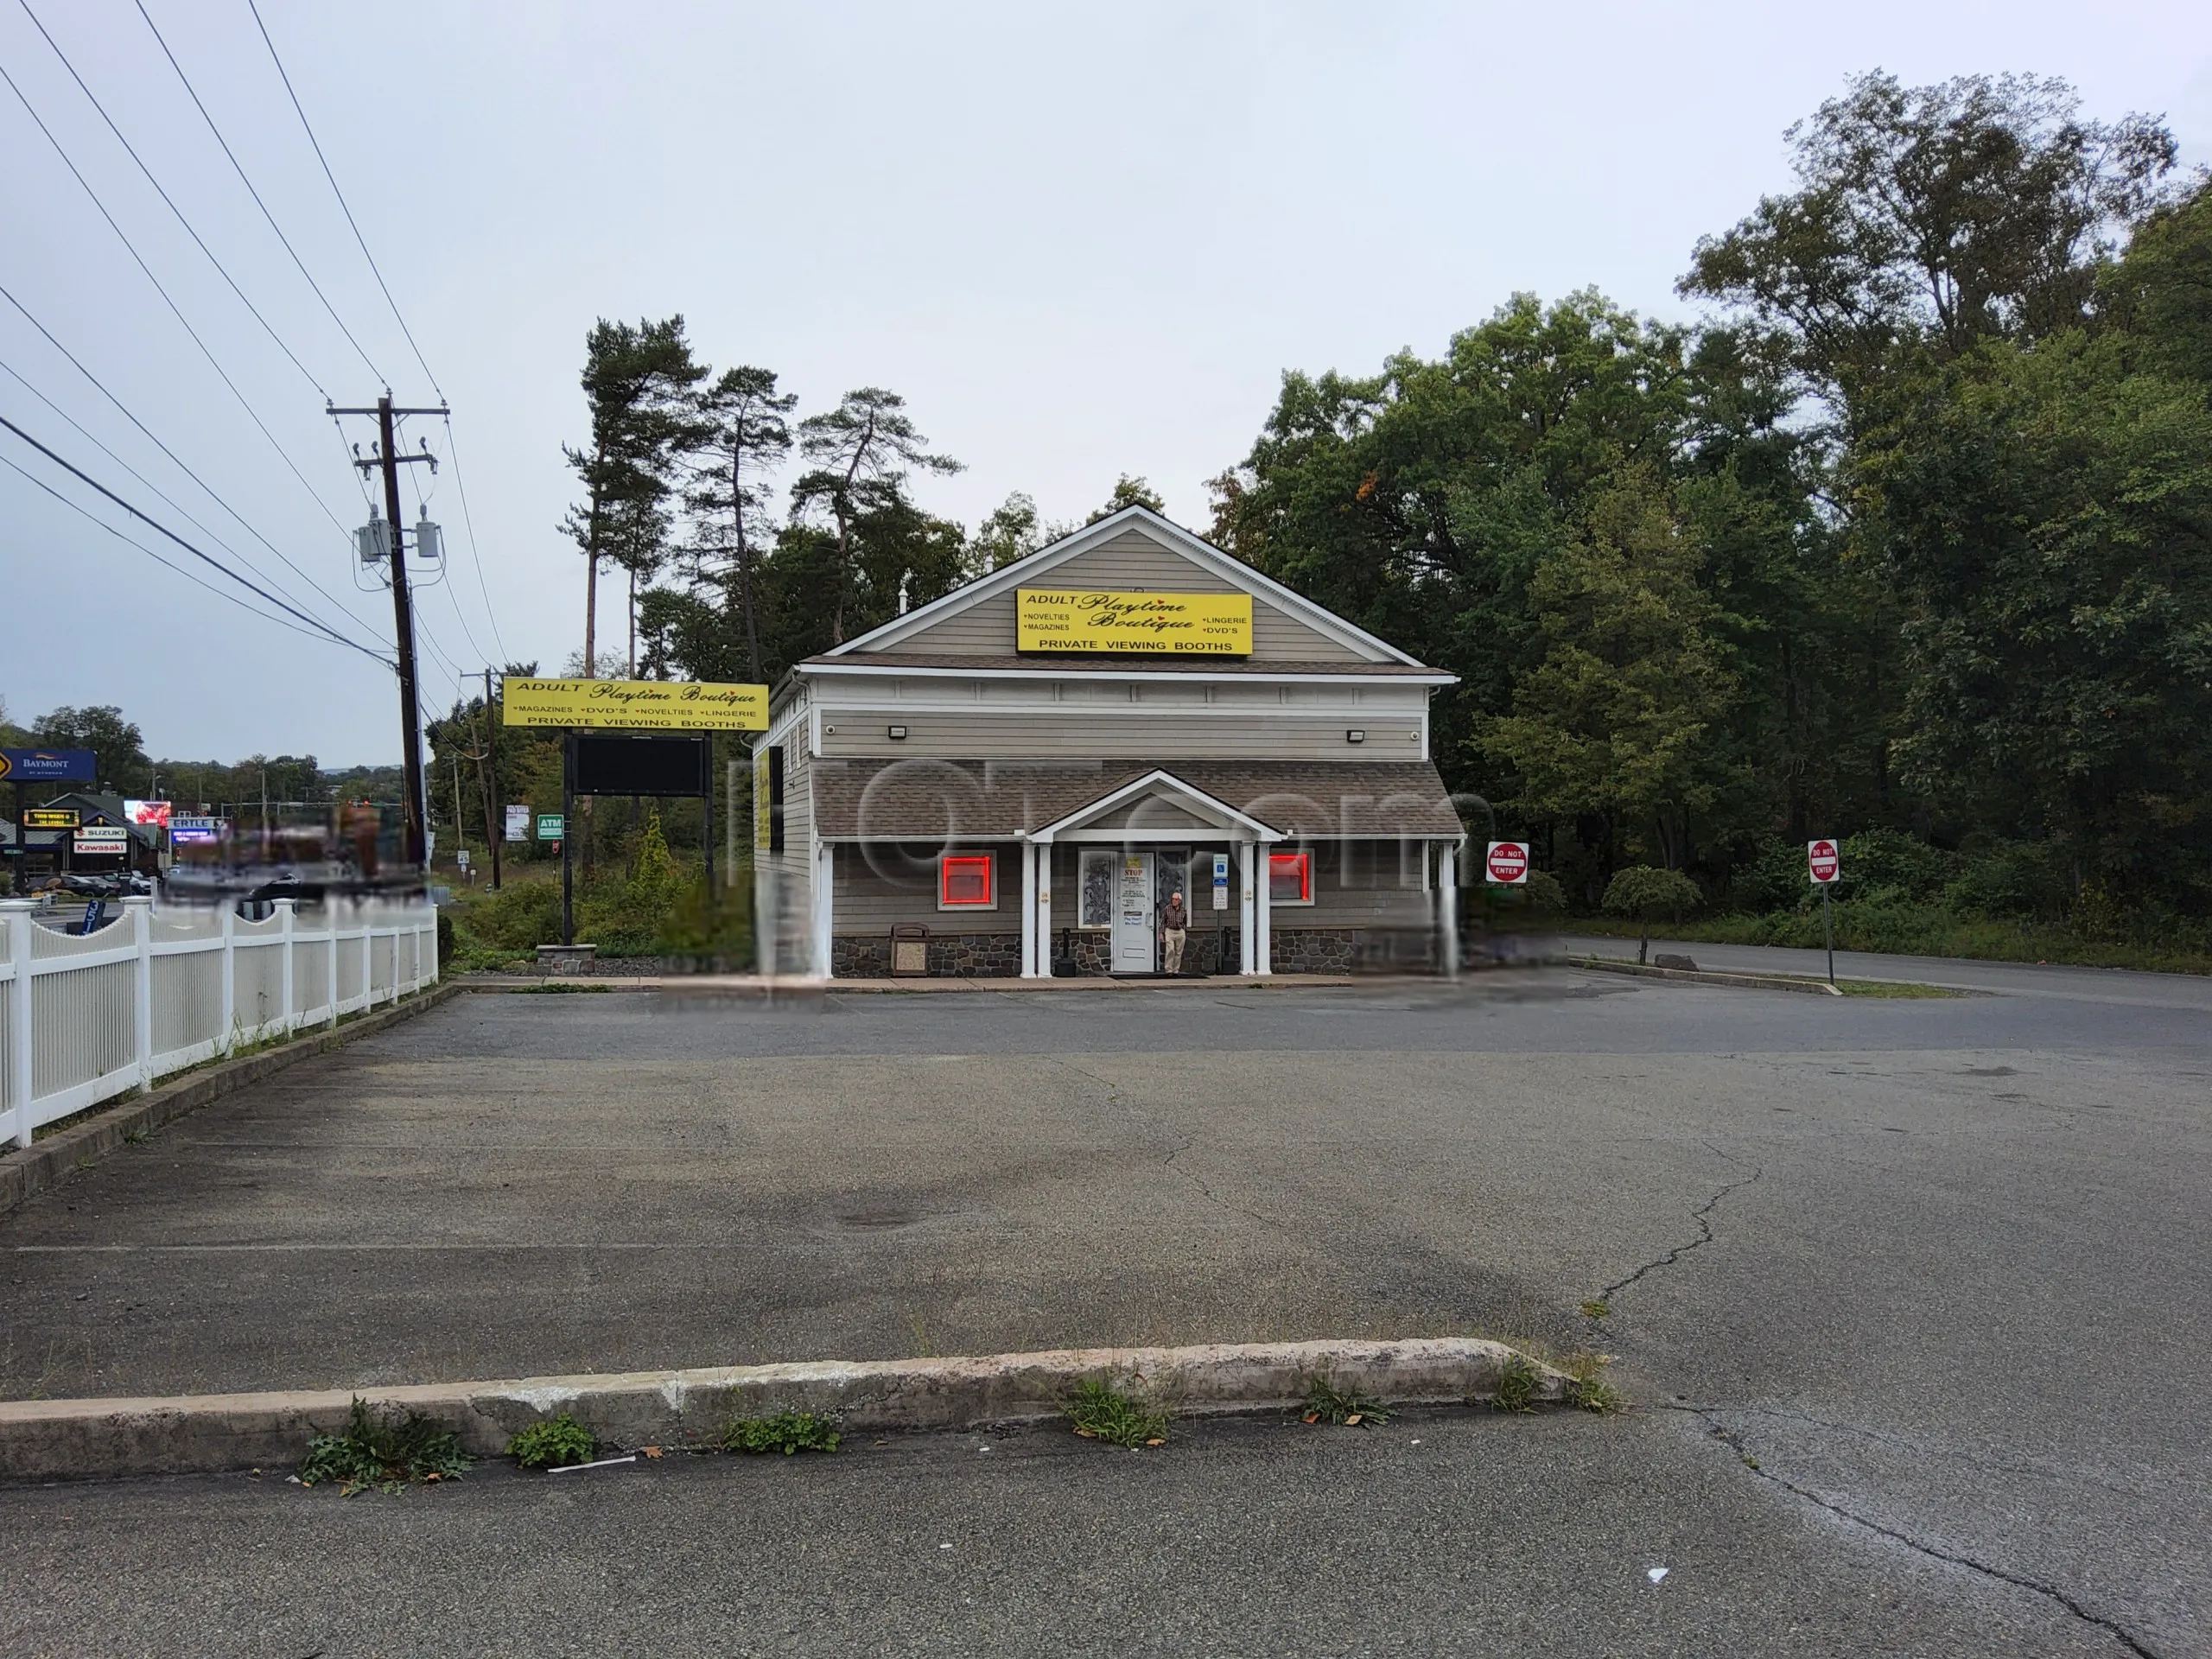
point(568, 816)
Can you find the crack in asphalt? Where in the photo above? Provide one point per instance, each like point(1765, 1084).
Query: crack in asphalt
point(2111, 1627)
point(1700, 1214)
point(1182, 1172)
point(2034, 1469)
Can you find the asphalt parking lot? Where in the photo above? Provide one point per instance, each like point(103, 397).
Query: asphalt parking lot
point(1909, 1295)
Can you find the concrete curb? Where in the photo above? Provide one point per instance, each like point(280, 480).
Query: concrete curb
point(74, 1440)
point(794, 987)
point(1706, 976)
point(25, 1172)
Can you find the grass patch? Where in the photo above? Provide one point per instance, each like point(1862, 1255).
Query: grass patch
point(554, 988)
point(787, 1432)
point(553, 1444)
point(1586, 1387)
point(1891, 988)
point(1519, 1383)
point(1918, 932)
point(382, 1452)
point(1100, 1411)
point(1325, 1402)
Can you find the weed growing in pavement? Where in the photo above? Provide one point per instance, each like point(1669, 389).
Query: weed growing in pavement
point(1325, 1402)
point(137, 1137)
point(553, 1443)
point(784, 1431)
point(380, 1452)
point(1597, 1310)
point(1102, 1412)
point(1587, 1386)
point(1519, 1381)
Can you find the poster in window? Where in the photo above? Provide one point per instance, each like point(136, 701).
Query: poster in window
point(1095, 899)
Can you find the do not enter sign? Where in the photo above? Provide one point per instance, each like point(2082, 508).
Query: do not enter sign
point(1823, 860)
point(1508, 863)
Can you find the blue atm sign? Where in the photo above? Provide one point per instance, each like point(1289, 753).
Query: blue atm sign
point(48, 766)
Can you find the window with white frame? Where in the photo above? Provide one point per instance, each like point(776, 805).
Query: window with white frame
point(1290, 878)
point(967, 881)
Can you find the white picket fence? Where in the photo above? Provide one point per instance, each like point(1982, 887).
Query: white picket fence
point(84, 1018)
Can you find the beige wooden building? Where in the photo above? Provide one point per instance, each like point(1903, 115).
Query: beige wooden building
point(1013, 780)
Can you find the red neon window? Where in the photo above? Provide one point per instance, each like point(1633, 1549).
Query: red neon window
point(964, 880)
point(1290, 878)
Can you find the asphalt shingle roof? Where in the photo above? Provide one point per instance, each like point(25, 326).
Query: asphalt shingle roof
point(984, 800)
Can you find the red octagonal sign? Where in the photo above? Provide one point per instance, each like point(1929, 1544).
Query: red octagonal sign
point(1508, 863)
point(1823, 860)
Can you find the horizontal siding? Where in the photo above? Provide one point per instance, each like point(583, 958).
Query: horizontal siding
point(1131, 561)
point(877, 888)
point(1083, 733)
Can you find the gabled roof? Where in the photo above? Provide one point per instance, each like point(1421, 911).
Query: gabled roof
point(937, 800)
point(1200, 552)
point(1160, 784)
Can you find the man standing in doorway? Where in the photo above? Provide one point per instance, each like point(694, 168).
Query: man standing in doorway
point(1174, 928)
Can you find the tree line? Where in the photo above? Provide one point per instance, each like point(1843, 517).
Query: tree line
point(679, 481)
point(1912, 537)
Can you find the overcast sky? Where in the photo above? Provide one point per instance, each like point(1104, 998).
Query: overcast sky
point(1080, 241)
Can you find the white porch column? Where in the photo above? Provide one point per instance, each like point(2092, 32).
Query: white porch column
point(15, 920)
point(1247, 956)
point(1447, 906)
point(1028, 909)
point(825, 877)
point(1044, 910)
point(1263, 945)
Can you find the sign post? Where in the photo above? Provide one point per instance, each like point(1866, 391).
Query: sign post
point(1824, 864)
point(1507, 864)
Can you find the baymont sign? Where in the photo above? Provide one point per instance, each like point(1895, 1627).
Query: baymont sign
point(636, 705)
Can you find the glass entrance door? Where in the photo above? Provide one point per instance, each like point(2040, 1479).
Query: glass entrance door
point(1134, 933)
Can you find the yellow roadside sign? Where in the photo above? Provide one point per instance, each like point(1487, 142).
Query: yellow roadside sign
point(1064, 619)
point(636, 705)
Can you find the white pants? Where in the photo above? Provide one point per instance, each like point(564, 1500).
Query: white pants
point(1171, 951)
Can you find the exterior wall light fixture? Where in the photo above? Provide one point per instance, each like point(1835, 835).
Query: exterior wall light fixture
point(1355, 736)
point(899, 733)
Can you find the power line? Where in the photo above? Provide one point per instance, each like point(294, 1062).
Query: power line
point(468, 522)
point(170, 502)
point(453, 449)
point(309, 128)
point(155, 524)
point(267, 327)
point(220, 593)
point(175, 311)
point(256, 195)
point(209, 489)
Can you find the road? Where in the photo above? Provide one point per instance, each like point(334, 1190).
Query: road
point(1932, 1269)
point(2055, 981)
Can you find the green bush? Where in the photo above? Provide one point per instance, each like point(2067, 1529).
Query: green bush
point(787, 1432)
point(1100, 1411)
point(379, 1452)
point(554, 1443)
point(1646, 894)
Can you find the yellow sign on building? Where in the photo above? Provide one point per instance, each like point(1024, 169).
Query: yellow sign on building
point(1066, 619)
point(636, 705)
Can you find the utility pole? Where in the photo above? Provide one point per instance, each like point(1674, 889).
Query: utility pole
point(490, 786)
point(388, 460)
